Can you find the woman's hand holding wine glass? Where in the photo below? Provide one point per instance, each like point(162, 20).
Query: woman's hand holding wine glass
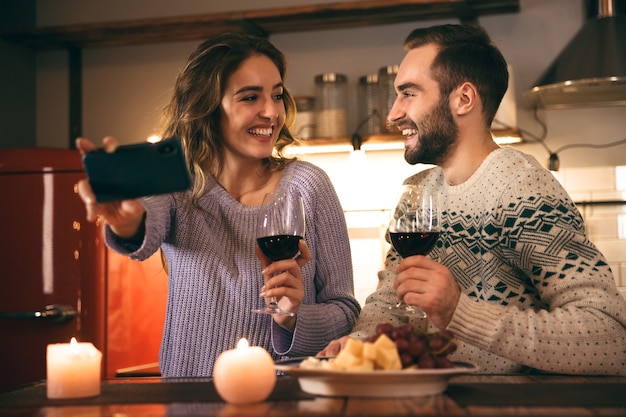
point(414, 230)
point(283, 252)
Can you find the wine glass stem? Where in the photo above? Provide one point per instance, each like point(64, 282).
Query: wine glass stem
point(273, 302)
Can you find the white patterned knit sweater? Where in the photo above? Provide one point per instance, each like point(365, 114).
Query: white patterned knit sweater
point(536, 293)
point(215, 278)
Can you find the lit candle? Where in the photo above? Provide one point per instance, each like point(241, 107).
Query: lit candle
point(73, 370)
point(244, 375)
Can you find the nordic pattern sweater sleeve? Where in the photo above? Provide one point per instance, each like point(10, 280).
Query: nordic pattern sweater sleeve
point(536, 293)
point(215, 278)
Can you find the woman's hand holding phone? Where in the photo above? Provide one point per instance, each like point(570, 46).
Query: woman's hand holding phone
point(123, 216)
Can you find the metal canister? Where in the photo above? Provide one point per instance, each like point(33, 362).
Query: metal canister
point(387, 93)
point(304, 127)
point(369, 122)
point(331, 98)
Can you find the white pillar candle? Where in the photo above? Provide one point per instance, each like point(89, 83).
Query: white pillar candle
point(73, 370)
point(244, 375)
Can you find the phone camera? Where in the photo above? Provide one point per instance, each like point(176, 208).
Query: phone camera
point(167, 149)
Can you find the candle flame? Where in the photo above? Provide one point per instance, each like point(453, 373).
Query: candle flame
point(242, 344)
point(74, 346)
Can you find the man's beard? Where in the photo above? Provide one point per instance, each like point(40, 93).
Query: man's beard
point(436, 135)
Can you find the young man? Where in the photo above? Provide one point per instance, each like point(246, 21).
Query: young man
point(513, 274)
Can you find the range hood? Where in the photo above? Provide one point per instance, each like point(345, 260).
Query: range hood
point(591, 70)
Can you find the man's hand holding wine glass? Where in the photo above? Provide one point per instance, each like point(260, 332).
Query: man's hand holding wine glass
point(430, 285)
point(421, 281)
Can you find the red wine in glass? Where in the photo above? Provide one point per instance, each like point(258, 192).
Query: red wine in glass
point(413, 243)
point(279, 247)
point(280, 229)
point(414, 230)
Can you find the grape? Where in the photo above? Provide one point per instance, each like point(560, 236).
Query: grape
point(372, 338)
point(397, 334)
point(426, 350)
point(417, 348)
point(402, 345)
point(436, 342)
point(426, 361)
point(406, 359)
point(401, 332)
point(443, 362)
point(385, 328)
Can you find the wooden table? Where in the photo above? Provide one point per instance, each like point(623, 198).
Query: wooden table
point(467, 395)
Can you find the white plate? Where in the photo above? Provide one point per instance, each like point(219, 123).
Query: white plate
point(407, 383)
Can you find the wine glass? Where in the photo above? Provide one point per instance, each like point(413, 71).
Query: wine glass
point(414, 230)
point(280, 228)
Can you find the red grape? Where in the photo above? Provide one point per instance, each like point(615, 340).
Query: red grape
point(443, 362)
point(426, 361)
point(385, 328)
point(425, 350)
point(436, 342)
point(372, 338)
point(402, 345)
point(406, 359)
point(417, 348)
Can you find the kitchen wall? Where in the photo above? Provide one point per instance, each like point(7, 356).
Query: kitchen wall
point(593, 188)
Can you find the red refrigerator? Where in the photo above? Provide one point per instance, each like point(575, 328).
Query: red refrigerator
point(52, 262)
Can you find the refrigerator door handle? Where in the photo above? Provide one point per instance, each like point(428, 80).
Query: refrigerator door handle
point(55, 313)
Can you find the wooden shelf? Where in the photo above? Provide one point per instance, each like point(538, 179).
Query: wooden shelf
point(370, 139)
point(388, 140)
point(264, 22)
point(378, 142)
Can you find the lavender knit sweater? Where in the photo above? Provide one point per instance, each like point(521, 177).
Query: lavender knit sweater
point(215, 278)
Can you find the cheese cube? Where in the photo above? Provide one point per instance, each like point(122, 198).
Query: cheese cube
point(351, 354)
point(387, 356)
point(369, 351)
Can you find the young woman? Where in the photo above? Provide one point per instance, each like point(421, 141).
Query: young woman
point(231, 112)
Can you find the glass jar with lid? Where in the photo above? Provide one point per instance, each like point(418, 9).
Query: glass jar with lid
point(386, 78)
point(331, 98)
point(368, 115)
point(304, 126)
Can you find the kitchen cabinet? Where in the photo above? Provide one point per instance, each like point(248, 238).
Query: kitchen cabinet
point(262, 22)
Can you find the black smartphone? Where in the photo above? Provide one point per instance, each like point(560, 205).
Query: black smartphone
point(137, 170)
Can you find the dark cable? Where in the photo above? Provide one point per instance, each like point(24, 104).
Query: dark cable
point(591, 145)
point(553, 161)
point(356, 138)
